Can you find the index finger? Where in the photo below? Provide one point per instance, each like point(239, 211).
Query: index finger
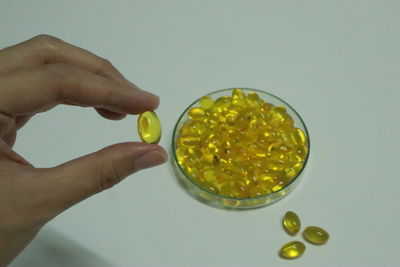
point(28, 91)
point(45, 49)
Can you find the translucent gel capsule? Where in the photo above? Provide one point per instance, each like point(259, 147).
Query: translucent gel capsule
point(315, 235)
point(197, 114)
point(298, 137)
point(149, 127)
point(231, 116)
point(209, 187)
point(291, 223)
point(238, 98)
point(206, 102)
point(253, 100)
point(221, 104)
point(292, 250)
point(180, 154)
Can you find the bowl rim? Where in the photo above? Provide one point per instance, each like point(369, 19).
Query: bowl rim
point(175, 132)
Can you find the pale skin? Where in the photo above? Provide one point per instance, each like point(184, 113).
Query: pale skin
point(35, 76)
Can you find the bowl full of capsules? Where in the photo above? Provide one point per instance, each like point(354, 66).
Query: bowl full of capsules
point(240, 148)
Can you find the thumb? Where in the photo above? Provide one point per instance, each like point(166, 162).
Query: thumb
point(78, 179)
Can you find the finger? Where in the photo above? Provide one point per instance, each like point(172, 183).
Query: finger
point(45, 49)
point(78, 179)
point(8, 153)
point(33, 90)
point(110, 114)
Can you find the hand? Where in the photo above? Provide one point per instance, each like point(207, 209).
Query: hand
point(35, 76)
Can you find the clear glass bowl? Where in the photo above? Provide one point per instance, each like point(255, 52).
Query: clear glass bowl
point(220, 201)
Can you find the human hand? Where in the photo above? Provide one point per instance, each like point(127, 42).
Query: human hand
point(35, 76)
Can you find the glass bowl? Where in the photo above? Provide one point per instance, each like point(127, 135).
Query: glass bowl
point(220, 201)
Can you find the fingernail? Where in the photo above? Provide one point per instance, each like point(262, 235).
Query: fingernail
point(150, 159)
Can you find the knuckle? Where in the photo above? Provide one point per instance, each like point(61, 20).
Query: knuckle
point(58, 75)
point(110, 176)
point(104, 66)
point(106, 63)
point(45, 41)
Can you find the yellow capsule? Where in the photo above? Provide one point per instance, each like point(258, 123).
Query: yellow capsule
point(149, 127)
point(293, 171)
point(291, 223)
point(292, 250)
point(315, 235)
point(231, 116)
point(209, 175)
point(239, 98)
point(188, 141)
point(197, 114)
point(282, 182)
point(253, 100)
point(299, 137)
point(209, 187)
point(226, 190)
point(206, 102)
point(240, 190)
point(180, 154)
point(258, 191)
point(279, 117)
point(207, 158)
point(193, 128)
point(222, 104)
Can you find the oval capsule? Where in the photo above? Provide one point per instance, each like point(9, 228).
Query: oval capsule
point(149, 127)
point(315, 235)
point(206, 102)
point(291, 223)
point(292, 250)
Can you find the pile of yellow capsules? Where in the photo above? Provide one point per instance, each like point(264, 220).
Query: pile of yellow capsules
point(240, 146)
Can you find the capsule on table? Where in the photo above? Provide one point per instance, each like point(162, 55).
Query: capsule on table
point(315, 235)
point(292, 250)
point(291, 223)
point(149, 127)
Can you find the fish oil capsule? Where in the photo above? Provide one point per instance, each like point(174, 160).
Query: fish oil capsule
point(299, 137)
point(226, 191)
point(221, 104)
point(189, 141)
point(315, 235)
point(209, 187)
point(180, 154)
point(206, 102)
point(231, 116)
point(207, 158)
point(149, 127)
point(240, 190)
point(292, 250)
point(253, 100)
point(209, 175)
point(197, 114)
point(239, 98)
point(291, 223)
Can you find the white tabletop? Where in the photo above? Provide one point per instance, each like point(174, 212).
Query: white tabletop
point(336, 62)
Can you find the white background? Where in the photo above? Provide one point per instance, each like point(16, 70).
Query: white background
point(336, 62)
